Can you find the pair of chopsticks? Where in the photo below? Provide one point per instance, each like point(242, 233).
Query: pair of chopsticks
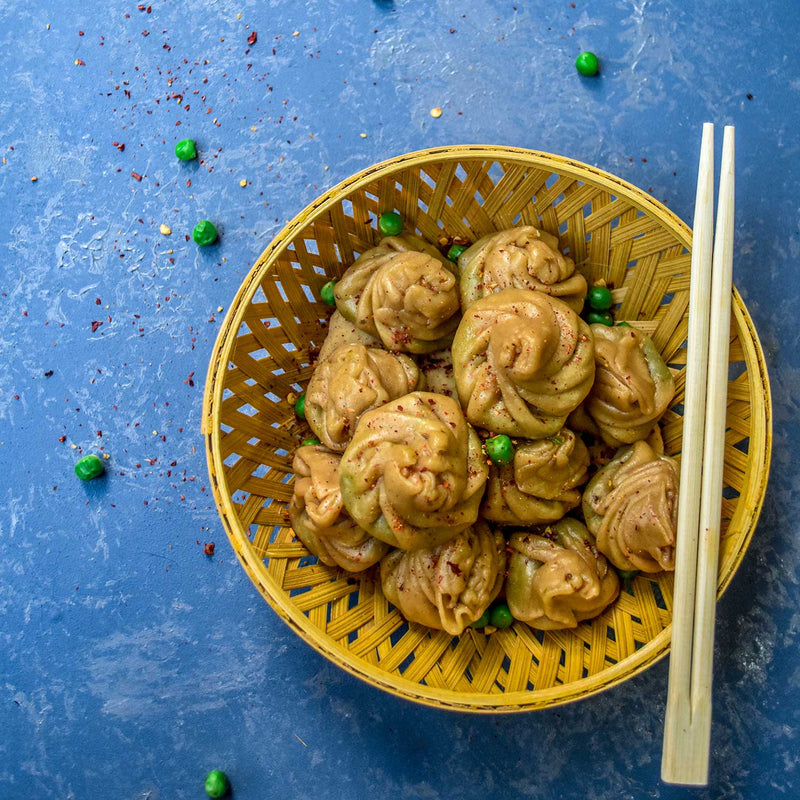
point(687, 726)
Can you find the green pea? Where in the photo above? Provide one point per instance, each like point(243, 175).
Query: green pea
point(623, 325)
point(205, 233)
point(186, 150)
point(599, 298)
point(300, 406)
point(482, 621)
point(326, 293)
point(587, 64)
point(89, 467)
point(600, 318)
point(500, 616)
point(500, 450)
point(217, 784)
point(390, 223)
point(627, 576)
point(455, 251)
point(312, 440)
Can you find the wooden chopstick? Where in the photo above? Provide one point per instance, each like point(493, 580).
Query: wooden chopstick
point(714, 448)
point(677, 721)
point(687, 726)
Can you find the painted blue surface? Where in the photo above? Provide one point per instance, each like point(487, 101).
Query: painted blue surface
point(130, 662)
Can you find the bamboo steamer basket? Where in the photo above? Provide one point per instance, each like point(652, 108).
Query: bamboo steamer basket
point(264, 357)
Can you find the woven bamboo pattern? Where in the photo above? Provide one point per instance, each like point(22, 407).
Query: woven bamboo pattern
point(264, 357)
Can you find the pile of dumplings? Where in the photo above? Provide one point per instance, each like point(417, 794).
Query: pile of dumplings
point(424, 361)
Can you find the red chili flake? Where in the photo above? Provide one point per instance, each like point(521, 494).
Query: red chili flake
point(62, 439)
point(252, 38)
point(209, 549)
point(49, 374)
point(80, 62)
point(98, 301)
point(136, 175)
point(80, 33)
point(120, 146)
point(95, 325)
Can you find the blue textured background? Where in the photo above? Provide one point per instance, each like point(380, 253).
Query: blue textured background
point(130, 662)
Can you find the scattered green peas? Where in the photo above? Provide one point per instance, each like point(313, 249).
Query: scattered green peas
point(482, 621)
point(205, 233)
point(599, 298)
point(300, 406)
point(500, 449)
point(600, 318)
point(455, 251)
point(186, 150)
point(390, 223)
point(500, 616)
point(312, 440)
point(326, 293)
point(587, 64)
point(89, 467)
point(217, 784)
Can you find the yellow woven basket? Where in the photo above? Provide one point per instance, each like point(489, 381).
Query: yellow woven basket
point(264, 356)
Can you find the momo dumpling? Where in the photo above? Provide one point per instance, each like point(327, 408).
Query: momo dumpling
point(404, 292)
point(600, 452)
point(318, 517)
point(632, 387)
point(351, 380)
point(350, 287)
point(342, 331)
point(450, 586)
point(413, 474)
point(519, 258)
point(558, 578)
point(631, 506)
point(437, 371)
point(522, 362)
point(540, 484)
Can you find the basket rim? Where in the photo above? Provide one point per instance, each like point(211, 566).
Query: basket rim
point(253, 565)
